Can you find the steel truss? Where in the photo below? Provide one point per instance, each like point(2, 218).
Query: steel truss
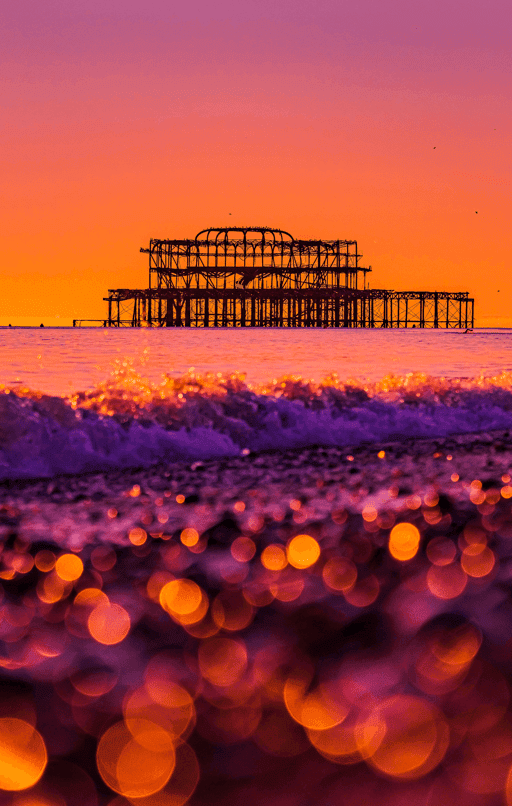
point(421, 309)
point(262, 277)
point(252, 257)
point(300, 308)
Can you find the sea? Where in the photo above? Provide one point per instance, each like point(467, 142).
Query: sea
point(83, 399)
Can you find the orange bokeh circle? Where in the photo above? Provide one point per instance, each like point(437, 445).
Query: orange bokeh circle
point(23, 755)
point(137, 762)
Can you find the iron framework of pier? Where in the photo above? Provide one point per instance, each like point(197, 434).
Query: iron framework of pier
point(263, 277)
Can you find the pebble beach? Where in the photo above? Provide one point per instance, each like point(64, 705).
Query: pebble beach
point(320, 625)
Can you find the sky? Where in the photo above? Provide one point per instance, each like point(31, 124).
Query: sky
point(382, 121)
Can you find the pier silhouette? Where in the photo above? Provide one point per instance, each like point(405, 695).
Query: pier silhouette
point(264, 277)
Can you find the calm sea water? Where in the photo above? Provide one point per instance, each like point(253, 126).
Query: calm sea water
point(63, 360)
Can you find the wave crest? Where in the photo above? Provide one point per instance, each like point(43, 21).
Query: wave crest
point(127, 421)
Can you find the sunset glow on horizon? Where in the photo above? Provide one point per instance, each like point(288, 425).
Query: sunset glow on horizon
point(386, 123)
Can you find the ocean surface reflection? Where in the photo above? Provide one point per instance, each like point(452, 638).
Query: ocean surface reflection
point(61, 360)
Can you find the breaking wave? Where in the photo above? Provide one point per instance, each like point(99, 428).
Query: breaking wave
point(129, 422)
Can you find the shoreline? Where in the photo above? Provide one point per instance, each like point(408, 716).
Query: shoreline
point(473, 454)
point(76, 512)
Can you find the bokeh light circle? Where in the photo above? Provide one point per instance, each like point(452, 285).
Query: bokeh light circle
point(23, 755)
point(109, 623)
point(69, 567)
point(302, 551)
point(135, 764)
point(407, 736)
point(404, 541)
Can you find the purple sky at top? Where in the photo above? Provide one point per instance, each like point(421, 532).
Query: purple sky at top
point(127, 61)
point(57, 32)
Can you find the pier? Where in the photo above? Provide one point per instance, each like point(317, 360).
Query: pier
point(264, 277)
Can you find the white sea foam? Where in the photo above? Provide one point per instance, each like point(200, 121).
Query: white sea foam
point(129, 422)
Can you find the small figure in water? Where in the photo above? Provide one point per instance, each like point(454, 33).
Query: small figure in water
point(41, 325)
point(468, 330)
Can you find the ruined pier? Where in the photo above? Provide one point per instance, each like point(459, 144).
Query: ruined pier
point(264, 277)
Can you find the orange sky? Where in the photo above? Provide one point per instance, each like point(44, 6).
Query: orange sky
point(381, 124)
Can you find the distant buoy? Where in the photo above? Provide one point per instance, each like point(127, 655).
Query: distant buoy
point(41, 325)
